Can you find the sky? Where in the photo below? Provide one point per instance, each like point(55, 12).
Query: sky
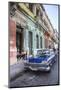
point(52, 12)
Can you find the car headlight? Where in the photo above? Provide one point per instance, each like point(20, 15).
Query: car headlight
point(44, 62)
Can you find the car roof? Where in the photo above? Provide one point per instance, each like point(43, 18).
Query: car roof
point(42, 49)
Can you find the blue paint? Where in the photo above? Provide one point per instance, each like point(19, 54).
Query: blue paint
point(38, 59)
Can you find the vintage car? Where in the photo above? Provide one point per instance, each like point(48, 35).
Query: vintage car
point(42, 60)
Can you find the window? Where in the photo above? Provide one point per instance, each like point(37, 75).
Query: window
point(41, 15)
point(31, 7)
point(40, 42)
point(12, 9)
point(37, 12)
point(45, 23)
point(37, 41)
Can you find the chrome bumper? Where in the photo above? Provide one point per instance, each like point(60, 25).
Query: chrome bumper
point(36, 67)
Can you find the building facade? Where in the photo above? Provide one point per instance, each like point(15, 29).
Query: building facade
point(30, 29)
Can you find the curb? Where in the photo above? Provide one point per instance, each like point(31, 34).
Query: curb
point(16, 75)
point(16, 71)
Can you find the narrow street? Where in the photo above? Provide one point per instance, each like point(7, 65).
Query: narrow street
point(32, 34)
point(37, 78)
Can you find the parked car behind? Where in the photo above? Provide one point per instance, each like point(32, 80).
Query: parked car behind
point(42, 60)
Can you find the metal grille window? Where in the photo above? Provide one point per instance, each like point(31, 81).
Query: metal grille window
point(37, 41)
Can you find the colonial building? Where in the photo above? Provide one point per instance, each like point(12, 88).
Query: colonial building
point(30, 29)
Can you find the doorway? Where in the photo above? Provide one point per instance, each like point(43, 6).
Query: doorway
point(19, 40)
point(30, 42)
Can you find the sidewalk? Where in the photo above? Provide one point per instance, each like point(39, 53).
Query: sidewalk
point(16, 69)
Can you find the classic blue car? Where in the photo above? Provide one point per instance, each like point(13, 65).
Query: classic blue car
point(42, 60)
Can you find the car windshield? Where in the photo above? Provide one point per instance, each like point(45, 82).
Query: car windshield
point(42, 53)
